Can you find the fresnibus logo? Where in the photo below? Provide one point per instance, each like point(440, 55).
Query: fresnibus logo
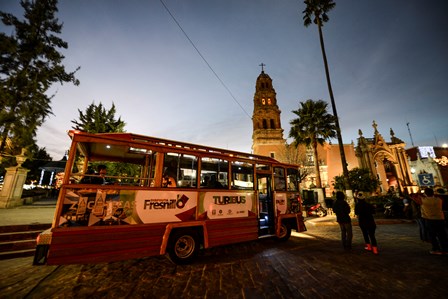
point(166, 204)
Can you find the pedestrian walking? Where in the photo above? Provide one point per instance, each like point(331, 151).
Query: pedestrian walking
point(432, 213)
point(342, 210)
point(365, 211)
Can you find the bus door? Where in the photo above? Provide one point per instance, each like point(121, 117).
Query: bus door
point(266, 217)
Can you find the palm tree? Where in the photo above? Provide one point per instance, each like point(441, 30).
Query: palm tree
point(312, 127)
point(316, 12)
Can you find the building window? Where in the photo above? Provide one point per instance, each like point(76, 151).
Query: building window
point(272, 124)
point(265, 124)
point(269, 101)
point(272, 154)
point(310, 158)
point(263, 101)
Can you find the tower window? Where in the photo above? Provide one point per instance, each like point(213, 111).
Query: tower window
point(272, 154)
point(269, 101)
point(272, 124)
point(265, 124)
point(263, 101)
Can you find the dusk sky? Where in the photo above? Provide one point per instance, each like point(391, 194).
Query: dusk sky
point(388, 62)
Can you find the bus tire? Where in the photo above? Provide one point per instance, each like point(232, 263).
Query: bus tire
point(183, 246)
point(285, 232)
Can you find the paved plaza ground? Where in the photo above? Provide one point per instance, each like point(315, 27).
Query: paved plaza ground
point(310, 265)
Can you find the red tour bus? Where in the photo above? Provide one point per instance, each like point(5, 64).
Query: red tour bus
point(154, 196)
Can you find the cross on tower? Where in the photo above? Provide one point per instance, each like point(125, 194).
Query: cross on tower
point(262, 67)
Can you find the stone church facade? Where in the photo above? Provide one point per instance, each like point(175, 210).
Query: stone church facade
point(386, 160)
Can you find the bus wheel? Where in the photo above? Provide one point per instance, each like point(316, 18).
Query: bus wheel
point(183, 247)
point(285, 232)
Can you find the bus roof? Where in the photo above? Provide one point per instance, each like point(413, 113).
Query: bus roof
point(81, 136)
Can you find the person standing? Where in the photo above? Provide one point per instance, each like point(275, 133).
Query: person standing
point(432, 213)
point(365, 211)
point(417, 216)
point(100, 176)
point(342, 210)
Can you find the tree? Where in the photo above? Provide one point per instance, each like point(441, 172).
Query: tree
point(30, 63)
point(97, 119)
point(40, 157)
point(359, 179)
point(312, 127)
point(316, 12)
point(293, 154)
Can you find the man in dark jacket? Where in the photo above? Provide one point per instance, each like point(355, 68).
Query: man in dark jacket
point(342, 210)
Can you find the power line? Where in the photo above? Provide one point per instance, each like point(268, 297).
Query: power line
point(203, 58)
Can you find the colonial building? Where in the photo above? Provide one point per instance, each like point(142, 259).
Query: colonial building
point(429, 165)
point(387, 161)
point(267, 136)
point(268, 140)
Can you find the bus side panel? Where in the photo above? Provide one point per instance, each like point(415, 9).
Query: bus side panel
point(229, 231)
point(104, 244)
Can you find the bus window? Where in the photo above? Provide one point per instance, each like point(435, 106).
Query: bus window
point(104, 169)
point(261, 167)
point(292, 178)
point(214, 173)
point(180, 170)
point(242, 176)
point(279, 179)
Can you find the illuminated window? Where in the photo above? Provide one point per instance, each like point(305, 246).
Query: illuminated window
point(269, 101)
point(263, 101)
point(180, 170)
point(214, 173)
point(242, 176)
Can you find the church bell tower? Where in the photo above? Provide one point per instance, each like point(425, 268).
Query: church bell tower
point(267, 136)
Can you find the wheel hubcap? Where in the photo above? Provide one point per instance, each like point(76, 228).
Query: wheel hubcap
point(184, 246)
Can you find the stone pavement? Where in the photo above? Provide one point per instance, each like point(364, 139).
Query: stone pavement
point(310, 265)
point(41, 212)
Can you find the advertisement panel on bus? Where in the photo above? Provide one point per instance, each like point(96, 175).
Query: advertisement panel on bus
point(93, 207)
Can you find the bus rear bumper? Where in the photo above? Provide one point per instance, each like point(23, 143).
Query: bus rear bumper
point(43, 245)
point(40, 256)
